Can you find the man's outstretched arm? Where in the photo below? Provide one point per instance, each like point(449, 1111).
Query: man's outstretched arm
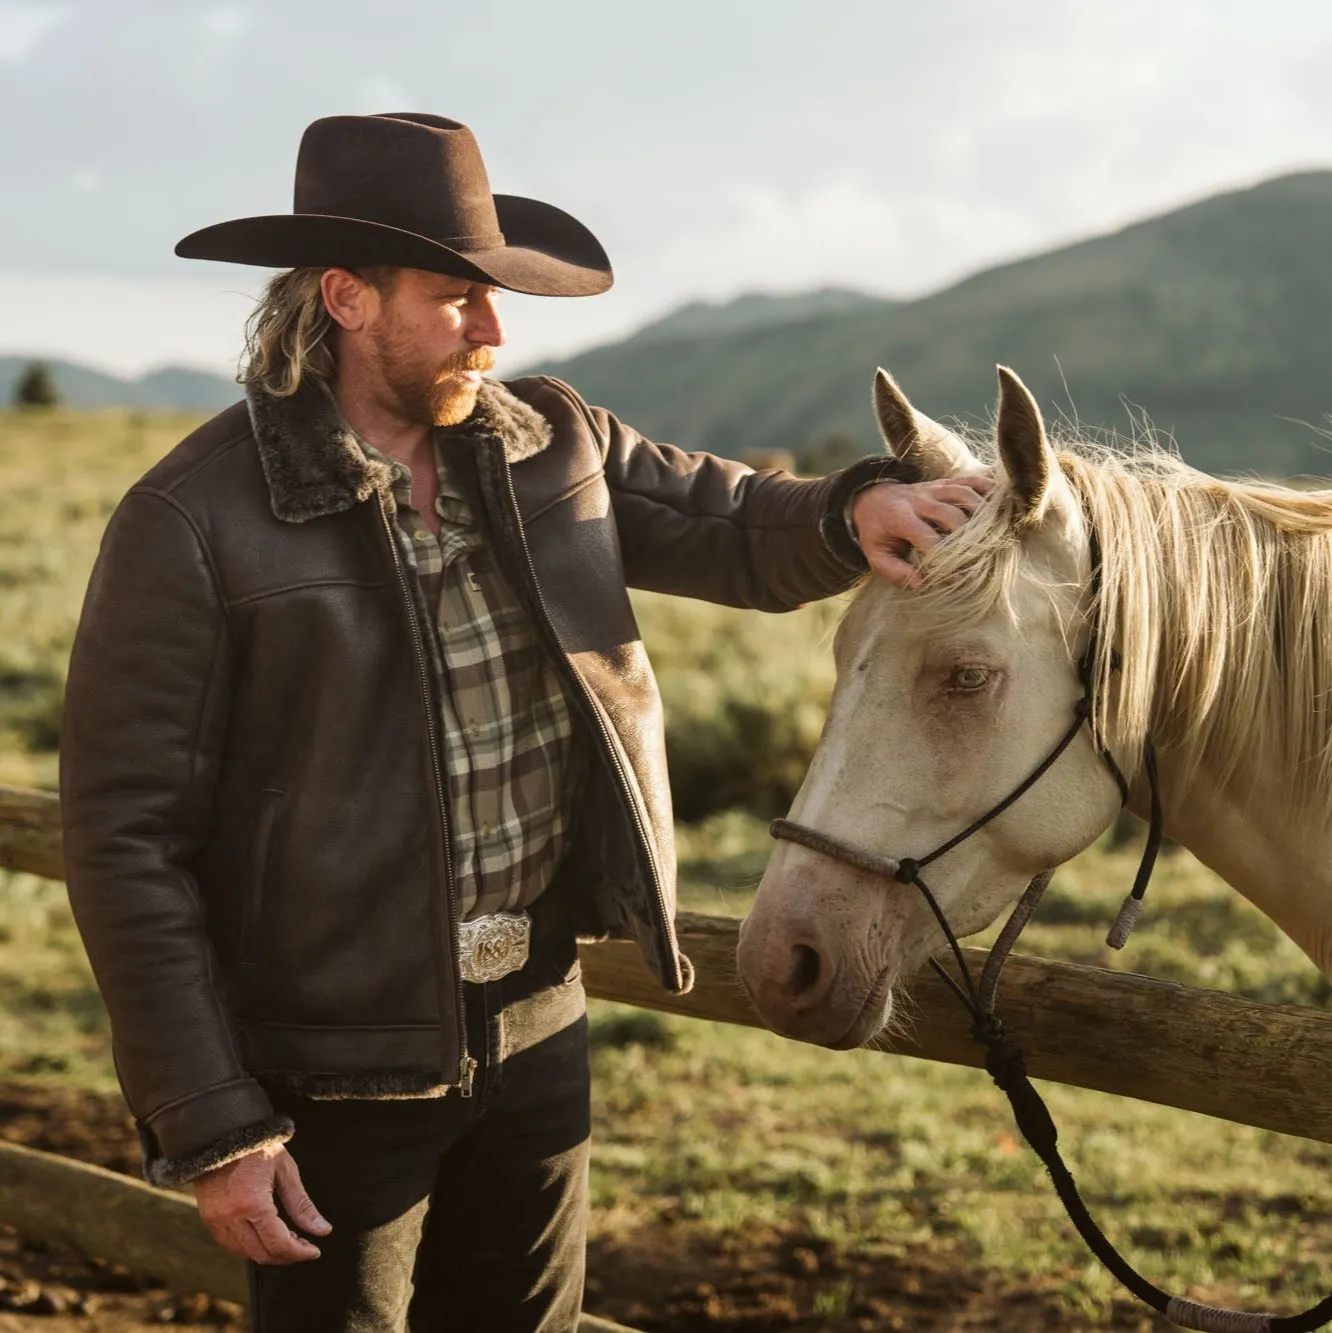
point(698, 525)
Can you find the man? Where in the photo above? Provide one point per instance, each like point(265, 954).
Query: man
point(360, 736)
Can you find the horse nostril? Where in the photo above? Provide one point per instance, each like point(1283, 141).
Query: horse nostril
point(806, 969)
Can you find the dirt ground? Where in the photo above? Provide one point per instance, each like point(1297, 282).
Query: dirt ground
point(662, 1279)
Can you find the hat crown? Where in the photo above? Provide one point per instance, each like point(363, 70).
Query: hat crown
point(420, 173)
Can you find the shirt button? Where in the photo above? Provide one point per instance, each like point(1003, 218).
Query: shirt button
point(421, 535)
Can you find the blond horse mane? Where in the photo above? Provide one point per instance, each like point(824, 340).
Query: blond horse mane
point(1216, 602)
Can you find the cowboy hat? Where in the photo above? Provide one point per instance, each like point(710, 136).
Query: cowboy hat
point(410, 191)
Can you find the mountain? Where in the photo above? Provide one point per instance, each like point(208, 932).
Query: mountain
point(173, 388)
point(1214, 320)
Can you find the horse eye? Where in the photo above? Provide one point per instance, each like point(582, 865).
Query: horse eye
point(969, 678)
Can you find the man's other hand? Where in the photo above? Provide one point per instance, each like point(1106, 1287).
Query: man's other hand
point(236, 1204)
point(895, 518)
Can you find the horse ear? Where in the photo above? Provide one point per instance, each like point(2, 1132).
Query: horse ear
point(913, 437)
point(1028, 458)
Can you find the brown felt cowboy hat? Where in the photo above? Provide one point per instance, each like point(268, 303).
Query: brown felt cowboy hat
point(410, 191)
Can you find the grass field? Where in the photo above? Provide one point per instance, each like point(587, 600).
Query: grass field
point(726, 1136)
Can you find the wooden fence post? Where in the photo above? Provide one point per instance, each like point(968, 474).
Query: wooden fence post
point(154, 1233)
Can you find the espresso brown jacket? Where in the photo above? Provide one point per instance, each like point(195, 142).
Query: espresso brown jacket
point(256, 827)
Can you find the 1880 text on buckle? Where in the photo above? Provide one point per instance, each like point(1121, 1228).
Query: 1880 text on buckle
point(493, 946)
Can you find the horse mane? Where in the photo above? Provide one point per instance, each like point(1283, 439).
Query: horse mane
point(1215, 611)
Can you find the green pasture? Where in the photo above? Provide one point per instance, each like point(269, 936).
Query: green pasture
point(724, 1132)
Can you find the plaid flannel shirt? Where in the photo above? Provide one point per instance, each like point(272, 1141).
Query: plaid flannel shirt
point(513, 765)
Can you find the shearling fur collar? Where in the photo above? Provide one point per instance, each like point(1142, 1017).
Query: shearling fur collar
point(315, 466)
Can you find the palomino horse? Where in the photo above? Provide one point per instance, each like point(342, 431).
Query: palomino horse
point(1207, 625)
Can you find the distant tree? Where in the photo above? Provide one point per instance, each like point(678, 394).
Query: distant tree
point(36, 388)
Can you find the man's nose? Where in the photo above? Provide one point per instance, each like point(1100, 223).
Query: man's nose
point(486, 327)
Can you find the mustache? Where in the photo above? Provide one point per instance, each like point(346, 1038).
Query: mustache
point(480, 359)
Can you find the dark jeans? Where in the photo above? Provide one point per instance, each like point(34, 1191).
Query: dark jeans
point(466, 1215)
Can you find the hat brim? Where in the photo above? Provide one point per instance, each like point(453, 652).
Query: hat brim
point(546, 251)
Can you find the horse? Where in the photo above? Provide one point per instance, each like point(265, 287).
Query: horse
point(1188, 611)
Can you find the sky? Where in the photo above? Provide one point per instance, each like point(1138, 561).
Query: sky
point(714, 146)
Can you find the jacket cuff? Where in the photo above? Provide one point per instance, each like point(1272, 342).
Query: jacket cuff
point(207, 1129)
point(834, 525)
point(165, 1172)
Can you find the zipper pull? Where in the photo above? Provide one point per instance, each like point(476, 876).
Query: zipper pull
point(466, 1072)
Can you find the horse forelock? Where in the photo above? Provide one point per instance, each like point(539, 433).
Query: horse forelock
point(1215, 611)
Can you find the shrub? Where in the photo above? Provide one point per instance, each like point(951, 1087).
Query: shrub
point(36, 388)
point(31, 703)
point(744, 694)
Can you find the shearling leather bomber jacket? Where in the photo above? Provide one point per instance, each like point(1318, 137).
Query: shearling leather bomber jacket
point(256, 834)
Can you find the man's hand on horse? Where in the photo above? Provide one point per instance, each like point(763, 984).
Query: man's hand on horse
point(894, 519)
point(237, 1206)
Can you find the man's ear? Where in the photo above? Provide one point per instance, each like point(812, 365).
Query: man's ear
point(348, 298)
point(912, 437)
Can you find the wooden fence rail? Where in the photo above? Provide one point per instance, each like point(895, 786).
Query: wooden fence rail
point(1158, 1041)
point(154, 1233)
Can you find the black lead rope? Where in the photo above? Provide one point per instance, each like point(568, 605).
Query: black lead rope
point(1006, 1064)
point(1004, 1058)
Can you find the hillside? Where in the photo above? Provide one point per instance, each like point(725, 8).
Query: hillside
point(1213, 319)
point(173, 388)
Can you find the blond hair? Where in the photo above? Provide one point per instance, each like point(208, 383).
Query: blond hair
point(290, 333)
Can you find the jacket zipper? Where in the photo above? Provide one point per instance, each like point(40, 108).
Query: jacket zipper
point(608, 743)
point(466, 1063)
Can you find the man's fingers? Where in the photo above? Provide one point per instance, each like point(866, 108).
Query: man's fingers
point(961, 497)
point(895, 569)
point(239, 1238)
point(261, 1239)
point(300, 1207)
point(281, 1245)
point(915, 531)
point(942, 517)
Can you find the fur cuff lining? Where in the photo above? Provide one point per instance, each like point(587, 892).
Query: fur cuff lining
point(165, 1172)
point(385, 1086)
point(845, 484)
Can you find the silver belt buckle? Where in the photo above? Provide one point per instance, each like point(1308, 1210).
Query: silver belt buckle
point(490, 947)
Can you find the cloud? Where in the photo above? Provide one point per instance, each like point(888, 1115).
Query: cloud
point(378, 94)
point(844, 230)
point(23, 28)
point(126, 325)
point(225, 20)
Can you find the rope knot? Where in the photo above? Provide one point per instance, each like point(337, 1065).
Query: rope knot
point(1083, 707)
point(908, 871)
point(1004, 1060)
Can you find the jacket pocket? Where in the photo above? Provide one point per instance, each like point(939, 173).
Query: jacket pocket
point(252, 909)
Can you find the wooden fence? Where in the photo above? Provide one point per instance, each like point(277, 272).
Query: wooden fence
point(1154, 1040)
